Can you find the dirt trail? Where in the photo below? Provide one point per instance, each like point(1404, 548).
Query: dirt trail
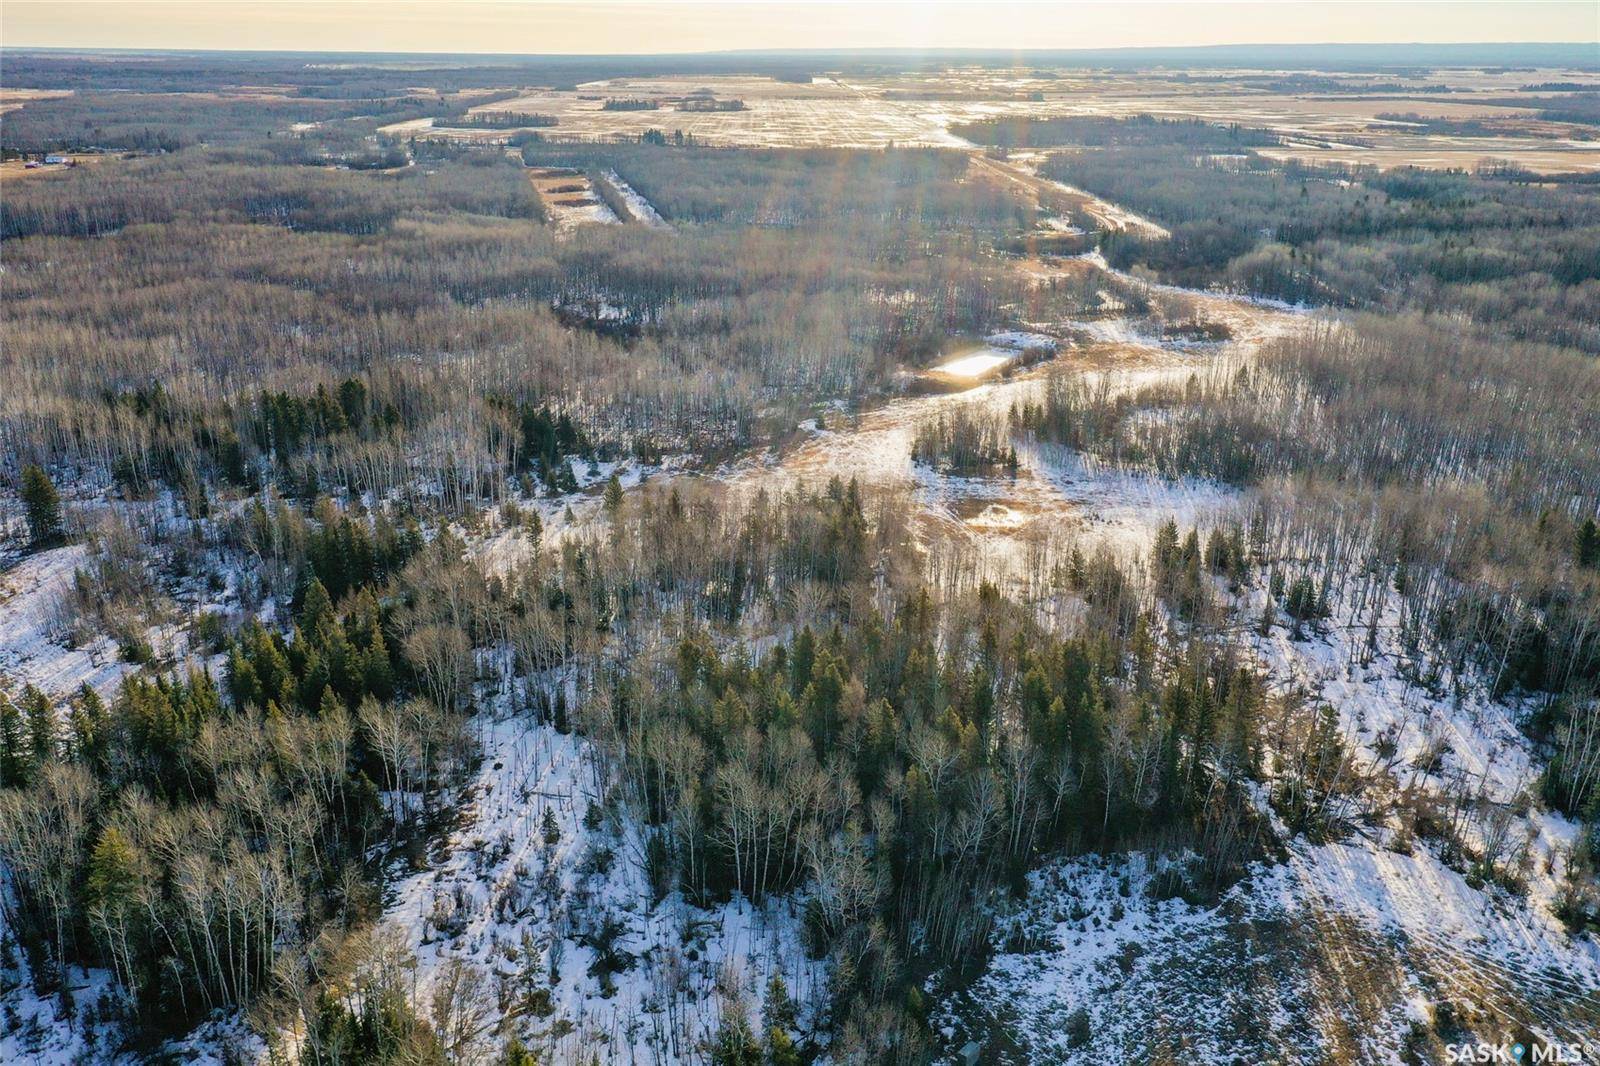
point(1019, 520)
point(1109, 215)
point(1057, 499)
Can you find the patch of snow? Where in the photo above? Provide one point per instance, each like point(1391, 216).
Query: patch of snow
point(1125, 508)
point(975, 364)
point(1115, 217)
point(1022, 340)
point(643, 210)
point(1056, 224)
point(529, 913)
point(1342, 945)
point(45, 1034)
point(1131, 333)
point(35, 628)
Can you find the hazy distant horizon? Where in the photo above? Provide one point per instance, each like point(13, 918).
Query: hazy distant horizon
point(562, 28)
point(1349, 56)
point(869, 52)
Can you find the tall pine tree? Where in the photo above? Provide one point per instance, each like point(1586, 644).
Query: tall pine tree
point(42, 504)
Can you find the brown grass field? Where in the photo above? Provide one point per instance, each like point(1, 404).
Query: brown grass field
point(920, 110)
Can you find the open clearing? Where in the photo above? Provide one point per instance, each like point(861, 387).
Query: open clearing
point(17, 168)
point(1458, 153)
point(1019, 170)
point(862, 112)
point(12, 98)
point(569, 197)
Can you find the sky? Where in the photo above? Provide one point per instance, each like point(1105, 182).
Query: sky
point(558, 26)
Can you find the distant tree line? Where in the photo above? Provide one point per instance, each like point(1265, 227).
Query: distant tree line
point(1514, 256)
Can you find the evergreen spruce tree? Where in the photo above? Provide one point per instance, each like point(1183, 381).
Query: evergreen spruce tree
point(548, 829)
point(1165, 552)
point(559, 716)
point(1587, 549)
point(16, 765)
point(801, 660)
point(243, 685)
point(377, 674)
point(353, 402)
point(316, 608)
point(88, 722)
point(111, 871)
point(779, 1009)
point(42, 505)
point(780, 1050)
point(735, 1044)
point(41, 718)
point(517, 1054)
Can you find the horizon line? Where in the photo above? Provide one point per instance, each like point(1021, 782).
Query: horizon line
point(873, 50)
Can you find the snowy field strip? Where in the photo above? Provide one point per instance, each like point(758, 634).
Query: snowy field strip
point(643, 211)
point(1115, 217)
point(1021, 340)
point(1123, 509)
point(34, 628)
point(1129, 333)
point(569, 215)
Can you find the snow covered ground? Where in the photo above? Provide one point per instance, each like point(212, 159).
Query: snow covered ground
point(1056, 492)
point(35, 629)
point(1122, 508)
point(36, 648)
point(37, 1029)
point(1451, 736)
point(570, 199)
point(1334, 956)
point(1057, 224)
point(1339, 951)
point(1021, 340)
point(1115, 217)
point(42, 1030)
point(543, 873)
point(975, 364)
point(1343, 950)
point(569, 215)
point(1136, 334)
point(643, 211)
